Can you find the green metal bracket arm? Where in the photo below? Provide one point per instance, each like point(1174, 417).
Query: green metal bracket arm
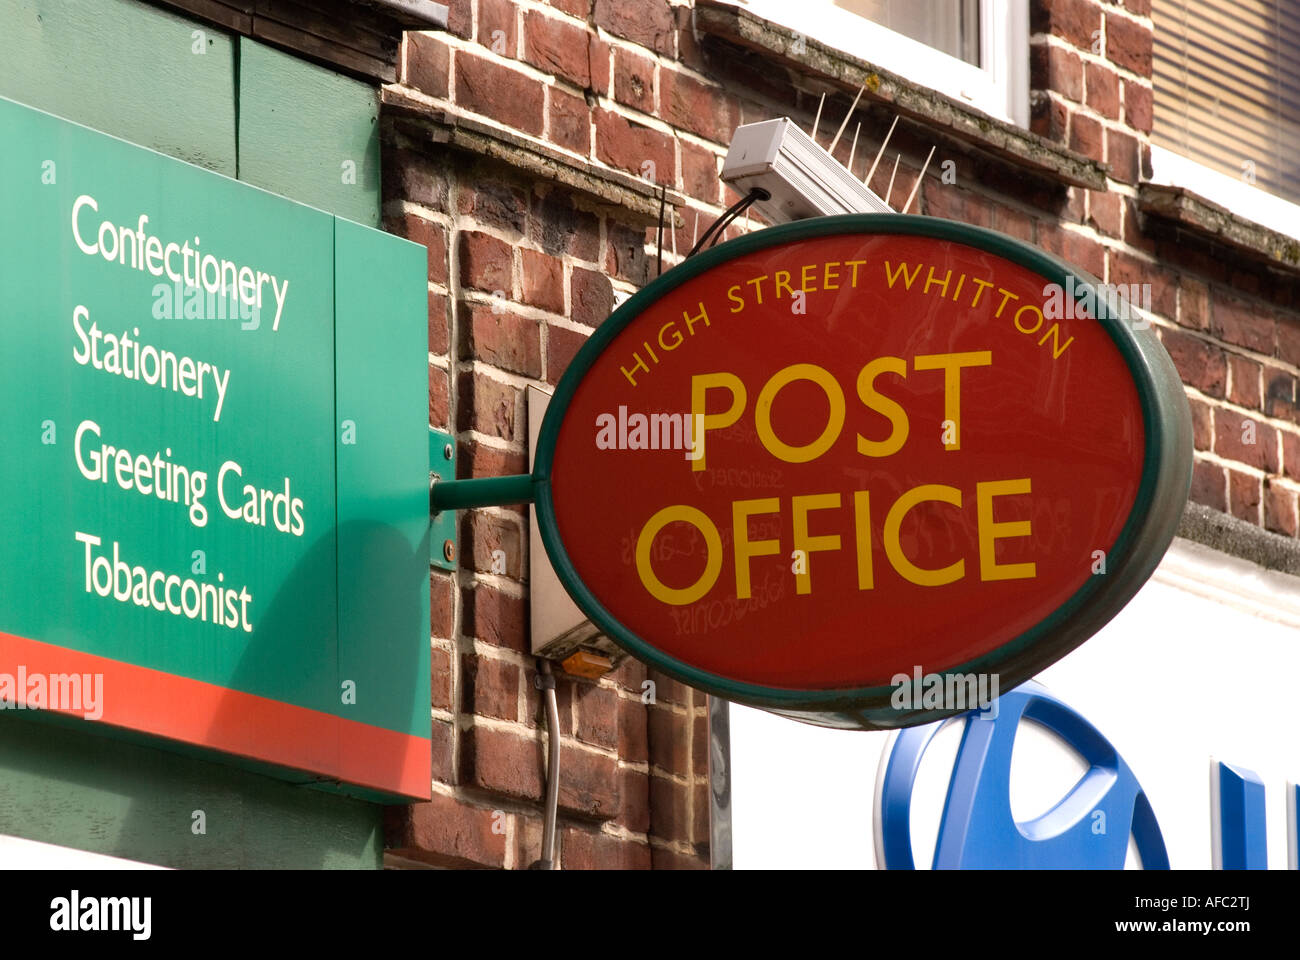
point(480, 492)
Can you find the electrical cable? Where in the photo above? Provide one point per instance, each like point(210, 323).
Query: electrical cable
point(754, 195)
point(545, 681)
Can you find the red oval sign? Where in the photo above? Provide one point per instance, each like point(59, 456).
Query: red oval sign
point(841, 452)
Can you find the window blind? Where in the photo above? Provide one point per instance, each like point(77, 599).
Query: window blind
point(1227, 87)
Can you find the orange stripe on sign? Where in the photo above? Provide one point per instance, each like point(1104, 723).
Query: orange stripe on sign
point(258, 728)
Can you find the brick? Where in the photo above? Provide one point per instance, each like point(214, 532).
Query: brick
point(1233, 433)
point(1048, 117)
point(1280, 509)
point(503, 763)
point(591, 297)
point(490, 615)
point(1280, 395)
point(1288, 340)
point(1138, 109)
point(489, 687)
point(1291, 454)
point(439, 324)
point(1075, 248)
point(633, 742)
point(440, 681)
point(557, 46)
point(439, 398)
point(1086, 136)
point(592, 850)
point(443, 749)
point(1052, 68)
point(555, 225)
point(1126, 270)
point(635, 811)
point(600, 57)
point(636, 148)
point(1244, 495)
point(446, 832)
point(689, 51)
point(952, 203)
point(629, 675)
point(570, 121)
point(1202, 424)
point(1245, 379)
point(699, 174)
point(626, 257)
point(1193, 303)
point(1103, 90)
point(494, 203)
point(1123, 156)
point(475, 459)
point(700, 745)
point(412, 176)
point(494, 90)
point(589, 785)
point(1209, 485)
point(496, 27)
point(597, 715)
point(1239, 323)
point(1074, 20)
point(441, 604)
point(668, 690)
point(535, 710)
point(665, 859)
point(1105, 211)
point(428, 64)
point(486, 263)
point(1134, 224)
point(1128, 44)
point(634, 80)
point(700, 816)
point(1013, 223)
point(503, 339)
point(1201, 364)
point(649, 23)
point(459, 17)
point(542, 281)
point(432, 236)
point(669, 810)
point(669, 736)
point(482, 534)
point(562, 345)
point(690, 104)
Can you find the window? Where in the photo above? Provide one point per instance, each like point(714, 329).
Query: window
point(1227, 104)
point(975, 51)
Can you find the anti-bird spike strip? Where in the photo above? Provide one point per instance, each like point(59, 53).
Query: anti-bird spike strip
point(880, 153)
point(889, 190)
point(840, 132)
point(917, 186)
point(818, 119)
point(853, 150)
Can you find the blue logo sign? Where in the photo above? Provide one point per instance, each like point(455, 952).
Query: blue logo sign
point(1088, 829)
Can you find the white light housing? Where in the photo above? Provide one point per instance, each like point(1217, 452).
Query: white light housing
point(803, 179)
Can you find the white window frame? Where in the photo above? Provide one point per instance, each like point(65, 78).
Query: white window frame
point(1257, 205)
point(1000, 88)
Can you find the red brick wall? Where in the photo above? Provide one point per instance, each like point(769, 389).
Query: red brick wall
point(627, 84)
point(1232, 328)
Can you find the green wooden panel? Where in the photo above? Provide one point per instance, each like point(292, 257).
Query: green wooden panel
point(131, 70)
point(107, 796)
point(308, 133)
point(381, 337)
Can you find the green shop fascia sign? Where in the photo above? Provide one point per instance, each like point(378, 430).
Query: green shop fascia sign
point(214, 488)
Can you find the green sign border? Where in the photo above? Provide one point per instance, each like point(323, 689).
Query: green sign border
point(1143, 540)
